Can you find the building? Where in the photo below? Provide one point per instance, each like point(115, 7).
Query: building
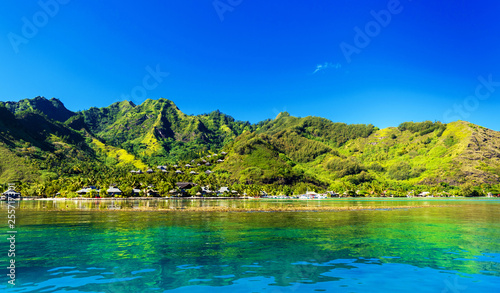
point(179, 172)
point(113, 191)
point(89, 189)
point(185, 185)
point(152, 193)
point(225, 190)
point(193, 173)
point(208, 172)
point(11, 194)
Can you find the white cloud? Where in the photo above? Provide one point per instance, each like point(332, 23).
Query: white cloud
point(327, 65)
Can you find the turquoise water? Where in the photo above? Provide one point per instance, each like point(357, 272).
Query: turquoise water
point(73, 246)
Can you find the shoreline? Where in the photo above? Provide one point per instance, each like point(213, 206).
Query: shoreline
point(245, 198)
point(244, 210)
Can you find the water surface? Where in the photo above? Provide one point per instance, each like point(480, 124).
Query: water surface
point(82, 246)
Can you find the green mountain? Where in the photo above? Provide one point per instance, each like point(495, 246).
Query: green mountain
point(326, 152)
point(42, 141)
point(33, 146)
point(157, 132)
point(53, 108)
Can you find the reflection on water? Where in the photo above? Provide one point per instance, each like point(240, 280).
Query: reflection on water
point(186, 203)
point(439, 249)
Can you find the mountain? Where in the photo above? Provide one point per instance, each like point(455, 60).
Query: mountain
point(326, 152)
point(32, 146)
point(42, 141)
point(157, 132)
point(53, 108)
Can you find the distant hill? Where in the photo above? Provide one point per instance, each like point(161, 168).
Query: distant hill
point(417, 153)
point(41, 140)
point(53, 108)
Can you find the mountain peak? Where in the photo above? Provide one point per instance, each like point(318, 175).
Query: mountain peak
point(53, 108)
point(282, 115)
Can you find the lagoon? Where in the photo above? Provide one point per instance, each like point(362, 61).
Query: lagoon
point(441, 245)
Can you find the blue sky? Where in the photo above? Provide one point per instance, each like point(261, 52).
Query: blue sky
point(353, 61)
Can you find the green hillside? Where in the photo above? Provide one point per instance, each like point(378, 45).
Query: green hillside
point(47, 148)
point(333, 154)
point(53, 108)
point(157, 132)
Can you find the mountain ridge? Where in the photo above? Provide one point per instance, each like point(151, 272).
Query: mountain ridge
point(286, 150)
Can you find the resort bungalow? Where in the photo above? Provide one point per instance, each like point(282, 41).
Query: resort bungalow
point(11, 194)
point(188, 166)
point(113, 191)
point(183, 186)
point(136, 192)
point(150, 171)
point(220, 161)
point(208, 164)
point(208, 172)
point(179, 172)
point(205, 190)
point(333, 194)
point(223, 153)
point(90, 189)
point(225, 190)
point(152, 193)
point(193, 173)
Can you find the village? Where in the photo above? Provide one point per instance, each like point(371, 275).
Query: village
point(208, 187)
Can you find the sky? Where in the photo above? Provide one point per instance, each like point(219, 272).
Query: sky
point(380, 62)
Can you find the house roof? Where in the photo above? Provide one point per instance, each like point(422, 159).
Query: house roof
point(113, 190)
point(88, 189)
point(11, 192)
point(185, 185)
point(226, 189)
point(206, 190)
